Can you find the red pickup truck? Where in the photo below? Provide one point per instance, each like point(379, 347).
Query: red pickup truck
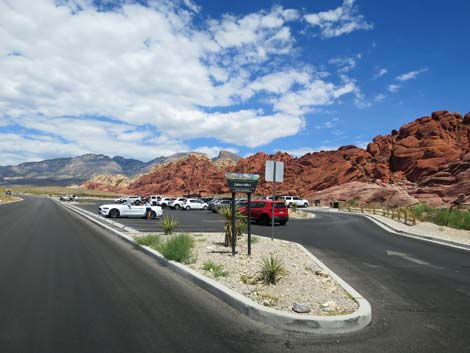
point(261, 211)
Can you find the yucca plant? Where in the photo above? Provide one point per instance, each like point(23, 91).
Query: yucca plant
point(240, 223)
point(272, 268)
point(168, 224)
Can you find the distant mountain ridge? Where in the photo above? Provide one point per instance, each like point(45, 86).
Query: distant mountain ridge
point(76, 170)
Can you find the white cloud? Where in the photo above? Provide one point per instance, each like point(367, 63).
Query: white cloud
point(410, 75)
point(380, 72)
point(345, 64)
point(393, 88)
point(159, 78)
point(379, 98)
point(342, 20)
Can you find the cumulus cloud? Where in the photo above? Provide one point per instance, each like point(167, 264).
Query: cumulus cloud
point(393, 88)
point(141, 81)
point(380, 72)
point(345, 64)
point(342, 20)
point(411, 75)
point(379, 98)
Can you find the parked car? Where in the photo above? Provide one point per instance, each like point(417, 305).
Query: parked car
point(206, 199)
point(155, 199)
point(69, 198)
point(194, 204)
point(165, 201)
point(261, 212)
point(130, 209)
point(220, 203)
point(177, 203)
point(293, 200)
point(127, 199)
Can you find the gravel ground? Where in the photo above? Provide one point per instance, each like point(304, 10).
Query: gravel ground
point(303, 283)
point(430, 230)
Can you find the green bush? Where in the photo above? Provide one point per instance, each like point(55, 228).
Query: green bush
point(293, 206)
point(147, 240)
point(272, 269)
point(215, 269)
point(168, 224)
point(459, 219)
point(177, 248)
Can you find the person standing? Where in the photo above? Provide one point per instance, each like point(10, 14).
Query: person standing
point(148, 209)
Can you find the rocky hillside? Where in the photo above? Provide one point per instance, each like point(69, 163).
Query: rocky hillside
point(428, 159)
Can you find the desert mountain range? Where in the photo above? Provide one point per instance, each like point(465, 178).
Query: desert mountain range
point(425, 160)
point(76, 170)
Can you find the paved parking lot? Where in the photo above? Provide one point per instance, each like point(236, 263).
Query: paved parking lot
point(189, 221)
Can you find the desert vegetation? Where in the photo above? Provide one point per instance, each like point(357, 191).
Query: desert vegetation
point(61, 190)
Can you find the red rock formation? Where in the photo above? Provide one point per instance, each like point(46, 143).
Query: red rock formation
point(429, 159)
point(192, 174)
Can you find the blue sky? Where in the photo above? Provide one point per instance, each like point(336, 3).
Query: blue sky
point(143, 79)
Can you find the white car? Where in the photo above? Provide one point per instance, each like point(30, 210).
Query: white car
point(155, 199)
point(165, 201)
point(128, 199)
point(129, 209)
point(194, 204)
point(177, 203)
point(290, 200)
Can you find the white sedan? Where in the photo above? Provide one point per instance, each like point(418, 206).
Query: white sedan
point(194, 204)
point(116, 210)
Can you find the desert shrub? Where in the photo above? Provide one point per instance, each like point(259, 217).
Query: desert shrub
point(459, 219)
point(177, 248)
point(272, 268)
point(147, 240)
point(215, 269)
point(293, 207)
point(353, 203)
point(240, 223)
point(168, 224)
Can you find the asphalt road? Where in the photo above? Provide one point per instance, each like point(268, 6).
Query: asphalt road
point(69, 286)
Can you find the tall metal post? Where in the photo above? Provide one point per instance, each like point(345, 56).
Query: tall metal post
point(234, 231)
point(249, 223)
point(274, 195)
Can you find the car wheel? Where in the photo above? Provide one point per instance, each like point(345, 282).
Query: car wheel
point(153, 215)
point(177, 207)
point(305, 205)
point(113, 213)
point(188, 207)
point(205, 208)
point(282, 223)
point(265, 220)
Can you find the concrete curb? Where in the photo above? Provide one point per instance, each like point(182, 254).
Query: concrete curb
point(281, 320)
point(396, 231)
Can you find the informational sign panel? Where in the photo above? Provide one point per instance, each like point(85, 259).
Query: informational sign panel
point(274, 167)
point(242, 182)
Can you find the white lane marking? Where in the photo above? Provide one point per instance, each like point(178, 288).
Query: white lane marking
point(409, 258)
